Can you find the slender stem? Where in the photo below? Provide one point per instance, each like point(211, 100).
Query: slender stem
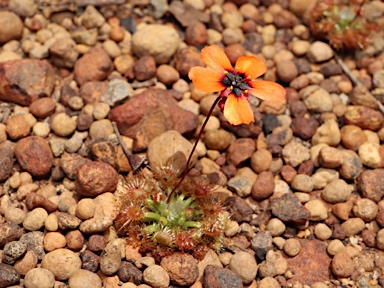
point(355, 80)
point(193, 149)
point(359, 10)
point(134, 160)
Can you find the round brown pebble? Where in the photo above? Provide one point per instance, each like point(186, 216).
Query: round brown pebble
point(84, 279)
point(234, 51)
point(322, 231)
point(218, 139)
point(63, 125)
point(28, 262)
point(337, 191)
point(95, 178)
point(145, 68)
point(318, 210)
point(34, 155)
point(244, 265)
point(342, 264)
point(97, 243)
point(286, 70)
point(380, 239)
point(17, 127)
point(352, 137)
point(167, 74)
point(196, 34)
point(335, 246)
point(365, 209)
point(268, 282)
point(329, 157)
point(51, 223)
point(117, 33)
point(42, 107)
point(101, 129)
point(35, 219)
point(261, 160)
point(292, 247)
point(110, 259)
point(11, 26)
point(302, 183)
point(39, 278)
point(276, 227)
point(182, 268)
point(364, 117)
point(288, 173)
point(15, 215)
point(63, 263)
point(54, 240)
point(369, 238)
point(263, 186)
point(85, 209)
point(156, 276)
point(353, 226)
point(75, 240)
point(266, 269)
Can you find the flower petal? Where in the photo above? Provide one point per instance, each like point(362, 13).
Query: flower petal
point(267, 90)
point(205, 79)
point(251, 66)
point(216, 59)
point(237, 110)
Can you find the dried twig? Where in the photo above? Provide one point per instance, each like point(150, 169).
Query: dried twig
point(135, 161)
point(355, 80)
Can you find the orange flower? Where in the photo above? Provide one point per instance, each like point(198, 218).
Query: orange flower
point(234, 83)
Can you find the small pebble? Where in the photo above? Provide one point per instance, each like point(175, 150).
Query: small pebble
point(342, 264)
point(292, 247)
point(369, 154)
point(76, 103)
point(101, 129)
point(380, 239)
point(268, 282)
point(101, 110)
point(318, 210)
point(335, 246)
point(85, 209)
point(51, 222)
point(244, 265)
point(12, 251)
point(353, 226)
point(28, 262)
point(63, 263)
point(15, 215)
point(261, 160)
point(75, 240)
point(324, 176)
point(322, 231)
point(39, 277)
point(365, 209)
point(41, 129)
point(35, 219)
point(156, 276)
point(84, 279)
point(54, 240)
point(303, 183)
point(63, 125)
point(276, 227)
point(337, 191)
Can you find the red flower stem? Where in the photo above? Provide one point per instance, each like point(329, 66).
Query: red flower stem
point(358, 11)
point(135, 161)
point(193, 149)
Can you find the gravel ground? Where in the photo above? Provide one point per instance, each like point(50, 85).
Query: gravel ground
point(303, 183)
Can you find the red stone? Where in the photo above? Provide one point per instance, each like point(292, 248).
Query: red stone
point(23, 81)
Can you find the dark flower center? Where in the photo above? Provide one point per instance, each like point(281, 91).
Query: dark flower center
point(238, 82)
